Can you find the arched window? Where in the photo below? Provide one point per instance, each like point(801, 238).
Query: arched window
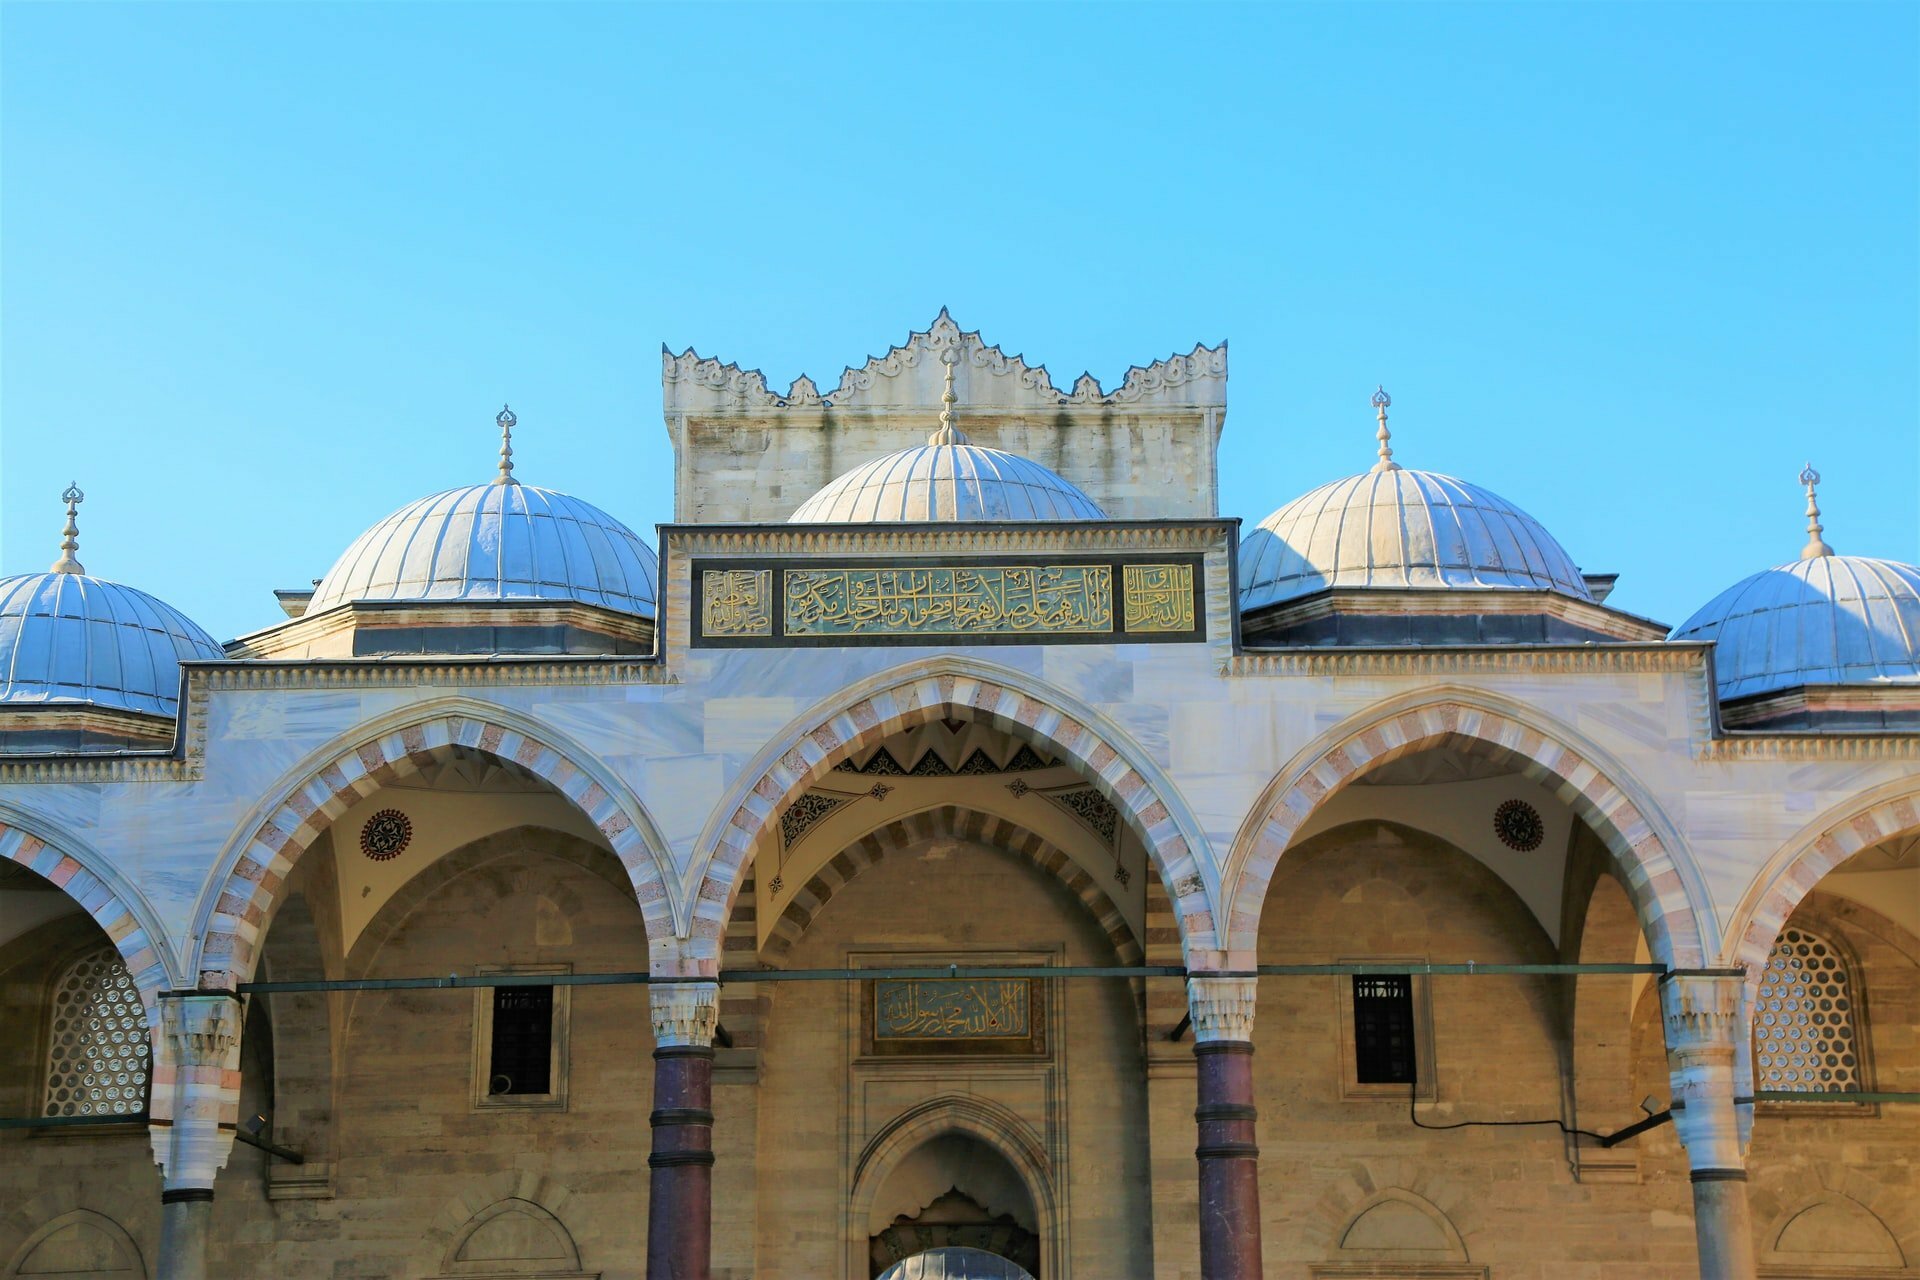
point(97, 1048)
point(1804, 1031)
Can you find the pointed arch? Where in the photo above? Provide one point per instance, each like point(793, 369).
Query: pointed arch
point(104, 893)
point(246, 885)
point(1397, 1220)
point(85, 1238)
point(1818, 848)
point(962, 823)
point(986, 1122)
point(1669, 898)
point(947, 687)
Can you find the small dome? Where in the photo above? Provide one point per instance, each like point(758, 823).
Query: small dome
point(1826, 619)
point(955, 1262)
point(944, 482)
point(69, 638)
point(1397, 528)
point(499, 541)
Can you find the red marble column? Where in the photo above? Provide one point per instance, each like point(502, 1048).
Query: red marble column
point(1229, 1162)
point(680, 1198)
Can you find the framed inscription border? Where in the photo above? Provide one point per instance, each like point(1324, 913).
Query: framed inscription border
point(794, 602)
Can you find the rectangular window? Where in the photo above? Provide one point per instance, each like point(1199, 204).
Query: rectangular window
point(520, 1042)
point(1383, 1033)
point(522, 1057)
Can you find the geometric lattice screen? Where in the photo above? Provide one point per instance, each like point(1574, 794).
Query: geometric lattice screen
point(97, 1061)
point(1803, 1027)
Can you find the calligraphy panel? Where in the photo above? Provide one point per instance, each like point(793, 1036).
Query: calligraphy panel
point(925, 1016)
point(1158, 597)
point(1069, 600)
point(736, 602)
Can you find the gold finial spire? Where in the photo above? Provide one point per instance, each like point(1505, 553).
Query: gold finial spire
point(1380, 402)
point(946, 432)
point(1816, 545)
point(505, 420)
point(70, 536)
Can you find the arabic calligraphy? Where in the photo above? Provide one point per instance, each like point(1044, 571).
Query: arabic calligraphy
point(737, 602)
point(1158, 597)
point(1048, 599)
point(949, 1009)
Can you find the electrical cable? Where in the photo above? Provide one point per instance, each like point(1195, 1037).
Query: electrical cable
point(1413, 1092)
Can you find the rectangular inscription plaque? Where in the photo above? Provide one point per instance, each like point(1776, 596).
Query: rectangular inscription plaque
point(1071, 600)
point(1049, 599)
point(923, 1017)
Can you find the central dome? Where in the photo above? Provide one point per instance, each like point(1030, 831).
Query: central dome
point(501, 541)
point(945, 482)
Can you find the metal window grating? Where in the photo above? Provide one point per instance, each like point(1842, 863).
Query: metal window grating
point(97, 1053)
point(521, 1061)
point(1383, 1028)
point(1804, 1036)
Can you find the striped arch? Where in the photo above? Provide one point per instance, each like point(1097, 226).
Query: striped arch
point(952, 687)
point(230, 938)
point(961, 823)
point(1794, 873)
point(115, 907)
point(1668, 904)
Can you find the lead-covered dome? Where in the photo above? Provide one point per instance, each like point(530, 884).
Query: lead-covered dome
point(1397, 528)
point(502, 541)
point(1828, 620)
point(1825, 619)
point(943, 482)
point(70, 639)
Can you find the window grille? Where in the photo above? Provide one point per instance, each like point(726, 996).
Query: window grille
point(1383, 1028)
point(97, 1051)
point(522, 1057)
point(1804, 1037)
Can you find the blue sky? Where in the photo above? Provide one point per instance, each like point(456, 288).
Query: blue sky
point(269, 270)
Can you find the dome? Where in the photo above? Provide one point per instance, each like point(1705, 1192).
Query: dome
point(498, 541)
point(948, 478)
point(66, 638)
point(1397, 528)
point(1827, 619)
point(955, 1262)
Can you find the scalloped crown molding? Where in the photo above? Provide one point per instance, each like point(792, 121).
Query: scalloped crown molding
point(909, 376)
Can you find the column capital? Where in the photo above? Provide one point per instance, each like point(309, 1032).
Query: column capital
point(1221, 1007)
point(202, 1029)
point(684, 1013)
point(1702, 1012)
point(193, 1105)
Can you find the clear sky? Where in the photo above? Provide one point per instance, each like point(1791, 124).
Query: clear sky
point(270, 269)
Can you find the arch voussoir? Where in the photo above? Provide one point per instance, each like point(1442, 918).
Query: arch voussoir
point(230, 941)
point(1652, 876)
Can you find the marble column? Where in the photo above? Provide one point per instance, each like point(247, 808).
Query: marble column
point(1222, 1010)
point(196, 1084)
point(1702, 1014)
point(680, 1194)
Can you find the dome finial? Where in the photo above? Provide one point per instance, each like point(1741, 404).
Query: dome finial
point(70, 536)
point(506, 421)
point(947, 433)
point(1816, 545)
point(1380, 402)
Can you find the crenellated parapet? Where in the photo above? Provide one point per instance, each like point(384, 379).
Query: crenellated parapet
point(1143, 450)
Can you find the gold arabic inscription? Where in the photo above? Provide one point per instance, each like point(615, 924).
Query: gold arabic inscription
point(737, 602)
point(1057, 599)
point(1158, 597)
point(946, 1009)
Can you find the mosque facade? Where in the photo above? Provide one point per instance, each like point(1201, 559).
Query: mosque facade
point(953, 849)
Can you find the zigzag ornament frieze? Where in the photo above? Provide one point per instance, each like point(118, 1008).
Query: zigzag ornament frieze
point(891, 380)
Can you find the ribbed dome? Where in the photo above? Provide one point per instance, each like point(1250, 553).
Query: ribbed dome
point(955, 1262)
point(68, 638)
point(1823, 620)
point(1399, 528)
point(496, 542)
point(942, 482)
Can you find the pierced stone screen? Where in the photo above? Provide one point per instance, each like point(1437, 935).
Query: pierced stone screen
point(97, 1062)
point(1803, 1026)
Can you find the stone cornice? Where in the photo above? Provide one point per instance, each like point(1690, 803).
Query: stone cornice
point(294, 638)
point(1635, 657)
point(431, 670)
point(1411, 602)
point(950, 539)
point(1836, 745)
point(691, 383)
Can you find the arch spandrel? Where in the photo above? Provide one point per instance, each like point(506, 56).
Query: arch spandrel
point(100, 890)
point(1670, 899)
point(246, 885)
point(869, 713)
